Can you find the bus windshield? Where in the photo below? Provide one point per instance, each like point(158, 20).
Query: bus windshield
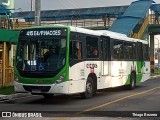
point(41, 54)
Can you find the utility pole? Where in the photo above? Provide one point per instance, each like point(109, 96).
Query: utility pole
point(31, 5)
point(37, 12)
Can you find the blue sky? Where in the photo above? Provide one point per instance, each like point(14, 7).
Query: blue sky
point(69, 4)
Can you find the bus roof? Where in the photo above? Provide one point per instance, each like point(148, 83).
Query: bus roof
point(86, 31)
point(110, 34)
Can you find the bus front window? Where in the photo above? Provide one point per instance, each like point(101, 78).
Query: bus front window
point(41, 54)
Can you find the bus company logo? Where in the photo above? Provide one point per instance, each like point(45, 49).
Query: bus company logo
point(91, 66)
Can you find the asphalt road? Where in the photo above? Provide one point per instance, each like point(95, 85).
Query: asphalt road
point(118, 103)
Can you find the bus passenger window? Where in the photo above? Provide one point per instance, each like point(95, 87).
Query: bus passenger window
point(92, 47)
point(146, 52)
point(118, 50)
point(76, 50)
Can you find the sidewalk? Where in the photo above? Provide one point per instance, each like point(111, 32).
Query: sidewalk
point(13, 96)
point(154, 76)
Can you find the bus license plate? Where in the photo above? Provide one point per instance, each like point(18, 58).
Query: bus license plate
point(36, 91)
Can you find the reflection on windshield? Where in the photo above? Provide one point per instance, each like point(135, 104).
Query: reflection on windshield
point(41, 54)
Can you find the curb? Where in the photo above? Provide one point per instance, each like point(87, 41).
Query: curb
point(155, 76)
point(13, 96)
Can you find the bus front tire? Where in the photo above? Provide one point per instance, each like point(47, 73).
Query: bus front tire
point(90, 89)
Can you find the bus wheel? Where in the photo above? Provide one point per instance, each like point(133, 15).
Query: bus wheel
point(89, 89)
point(132, 84)
point(47, 96)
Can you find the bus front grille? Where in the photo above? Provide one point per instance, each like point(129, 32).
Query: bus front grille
point(41, 88)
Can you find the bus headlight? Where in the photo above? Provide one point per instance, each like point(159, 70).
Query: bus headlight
point(16, 78)
point(60, 78)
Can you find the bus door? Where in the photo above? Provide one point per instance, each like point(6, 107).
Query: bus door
point(105, 56)
point(93, 61)
point(103, 81)
point(139, 54)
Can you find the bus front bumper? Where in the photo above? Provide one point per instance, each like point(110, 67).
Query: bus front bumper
point(68, 87)
point(38, 88)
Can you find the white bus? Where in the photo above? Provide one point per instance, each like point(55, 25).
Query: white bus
point(70, 60)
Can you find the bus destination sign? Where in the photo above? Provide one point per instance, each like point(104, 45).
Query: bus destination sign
point(43, 33)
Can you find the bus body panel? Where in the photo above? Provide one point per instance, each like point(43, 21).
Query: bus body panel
point(77, 78)
point(76, 72)
point(105, 68)
point(77, 86)
point(146, 67)
point(107, 71)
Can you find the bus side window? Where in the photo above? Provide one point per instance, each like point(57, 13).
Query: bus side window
point(105, 48)
point(139, 51)
point(92, 47)
point(118, 49)
point(145, 52)
point(128, 51)
point(76, 50)
point(134, 51)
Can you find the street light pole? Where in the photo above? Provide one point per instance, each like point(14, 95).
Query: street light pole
point(31, 5)
point(37, 12)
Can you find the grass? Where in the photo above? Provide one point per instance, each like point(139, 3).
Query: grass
point(157, 72)
point(7, 90)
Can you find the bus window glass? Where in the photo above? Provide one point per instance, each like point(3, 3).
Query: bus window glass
point(118, 50)
point(75, 50)
point(146, 52)
point(139, 51)
point(92, 47)
point(134, 51)
point(128, 51)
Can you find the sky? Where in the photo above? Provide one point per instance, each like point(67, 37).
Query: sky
point(25, 5)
